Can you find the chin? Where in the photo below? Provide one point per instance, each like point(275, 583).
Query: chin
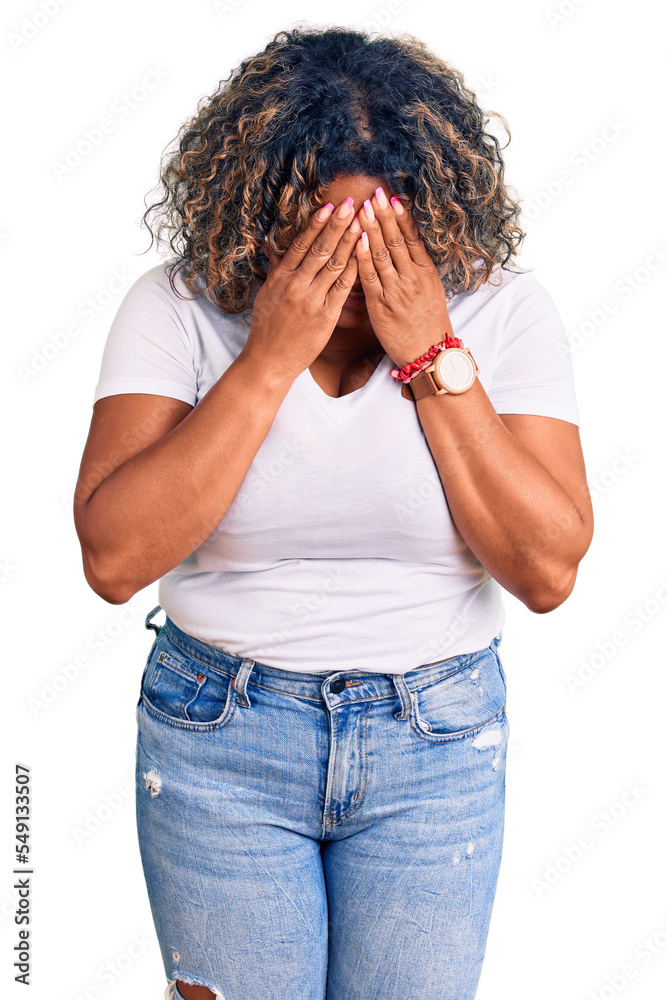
point(352, 317)
point(355, 307)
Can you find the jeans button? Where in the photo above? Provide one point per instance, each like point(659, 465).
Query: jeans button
point(338, 685)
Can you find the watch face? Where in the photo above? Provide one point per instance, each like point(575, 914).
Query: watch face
point(455, 370)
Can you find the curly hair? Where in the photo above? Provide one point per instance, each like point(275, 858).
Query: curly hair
point(251, 164)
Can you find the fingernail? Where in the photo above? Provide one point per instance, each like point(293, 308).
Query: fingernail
point(355, 225)
point(381, 198)
point(398, 208)
point(364, 240)
point(324, 212)
point(345, 208)
point(368, 208)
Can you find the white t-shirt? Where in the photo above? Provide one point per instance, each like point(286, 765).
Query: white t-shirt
point(339, 550)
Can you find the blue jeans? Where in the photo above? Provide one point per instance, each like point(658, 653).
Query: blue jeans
point(320, 836)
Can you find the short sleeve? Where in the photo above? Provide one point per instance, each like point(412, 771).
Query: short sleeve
point(147, 347)
point(533, 372)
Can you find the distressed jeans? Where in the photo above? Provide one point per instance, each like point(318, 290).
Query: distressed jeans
point(311, 836)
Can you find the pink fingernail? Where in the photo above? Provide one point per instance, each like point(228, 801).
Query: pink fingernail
point(325, 212)
point(370, 214)
point(396, 205)
point(381, 198)
point(364, 240)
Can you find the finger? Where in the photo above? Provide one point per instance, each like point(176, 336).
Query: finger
point(336, 264)
point(391, 234)
point(340, 289)
point(408, 227)
point(310, 250)
point(382, 262)
point(370, 279)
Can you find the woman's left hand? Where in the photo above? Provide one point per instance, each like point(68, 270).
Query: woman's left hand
point(405, 298)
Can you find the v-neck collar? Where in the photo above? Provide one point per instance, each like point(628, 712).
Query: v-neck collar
point(338, 407)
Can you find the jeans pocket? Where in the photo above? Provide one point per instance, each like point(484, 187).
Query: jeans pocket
point(459, 705)
point(182, 692)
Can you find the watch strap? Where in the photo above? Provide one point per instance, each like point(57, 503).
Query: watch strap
point(419, 386)
point(424, 384)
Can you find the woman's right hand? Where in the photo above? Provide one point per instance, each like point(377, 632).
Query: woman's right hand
point(297, 307)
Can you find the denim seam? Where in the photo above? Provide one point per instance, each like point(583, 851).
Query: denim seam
point(477, 654)
point(192, 726)
point(253, 682)
point(333, 745)
point(163, 663)
point(165, 660)
point(452, 673)
point(461, 734)
point(357, 805)
point(501, 669)
point(194, 656)
point(391, 695)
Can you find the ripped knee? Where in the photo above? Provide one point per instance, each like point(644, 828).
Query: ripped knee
point(192, 991)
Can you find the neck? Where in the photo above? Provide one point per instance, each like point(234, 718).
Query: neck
point(348, 344)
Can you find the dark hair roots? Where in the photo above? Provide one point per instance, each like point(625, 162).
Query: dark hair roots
point(251, 163)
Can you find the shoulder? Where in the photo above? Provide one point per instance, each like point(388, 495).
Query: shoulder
point(161, 292)
point(167, 281)
point(167, 311)
point(511, 298)
point(506, 284)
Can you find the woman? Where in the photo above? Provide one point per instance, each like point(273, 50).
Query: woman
point(332, 427)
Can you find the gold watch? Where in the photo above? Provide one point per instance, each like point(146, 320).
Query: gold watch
point(452, 370)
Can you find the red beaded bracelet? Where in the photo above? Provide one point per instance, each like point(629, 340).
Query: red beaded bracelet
point(409, 371)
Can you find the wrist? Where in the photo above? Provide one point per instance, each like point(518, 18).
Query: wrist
point(408, 367)
point(404, 358)
point(264, 370)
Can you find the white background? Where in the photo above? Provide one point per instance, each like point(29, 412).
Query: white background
point(587, 926)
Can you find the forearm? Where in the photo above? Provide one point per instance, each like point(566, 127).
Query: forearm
point(510, 511)
point(157, 507)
